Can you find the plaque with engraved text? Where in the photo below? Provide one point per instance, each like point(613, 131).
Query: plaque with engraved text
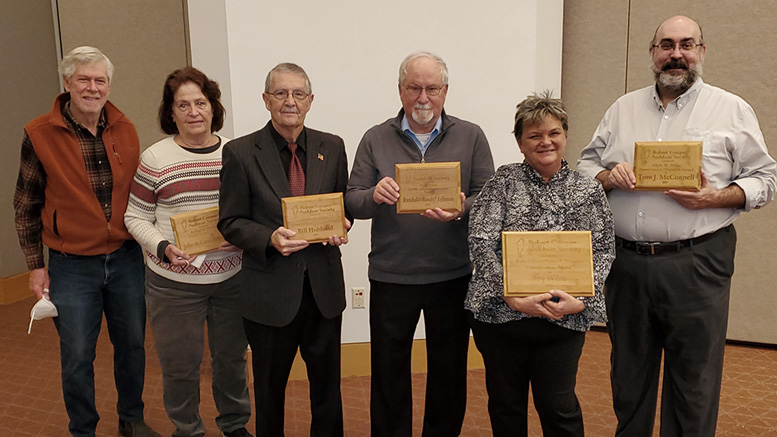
point(196, 232)
point(667, 165)
point(427, 186)
point(537, 262)
point(314, 218)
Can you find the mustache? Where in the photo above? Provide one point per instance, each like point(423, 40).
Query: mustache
point(675, 64)
point(426, 107)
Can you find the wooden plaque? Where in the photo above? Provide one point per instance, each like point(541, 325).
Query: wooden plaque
point(537, 262)
point(428, 186)
point(668, 165)
point(196, 232)
point(314, 218)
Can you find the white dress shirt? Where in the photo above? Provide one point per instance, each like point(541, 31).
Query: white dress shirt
point(734, 152)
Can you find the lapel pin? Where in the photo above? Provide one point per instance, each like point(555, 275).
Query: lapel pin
point(320, 157)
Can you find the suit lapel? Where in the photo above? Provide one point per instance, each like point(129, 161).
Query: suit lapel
point(270, 163)
point(316, 162)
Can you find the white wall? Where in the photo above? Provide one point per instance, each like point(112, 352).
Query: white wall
point(497, 52)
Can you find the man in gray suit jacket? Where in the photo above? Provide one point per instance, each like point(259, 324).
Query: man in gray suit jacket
point(293, 292)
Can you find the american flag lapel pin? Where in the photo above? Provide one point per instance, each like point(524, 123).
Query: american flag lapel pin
point(320, 157)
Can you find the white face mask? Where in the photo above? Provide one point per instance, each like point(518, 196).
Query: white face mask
point(43, 309)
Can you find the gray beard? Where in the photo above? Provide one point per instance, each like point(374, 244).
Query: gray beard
point(676, 84)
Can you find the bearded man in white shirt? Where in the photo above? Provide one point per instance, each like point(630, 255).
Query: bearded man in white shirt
point(668, 290)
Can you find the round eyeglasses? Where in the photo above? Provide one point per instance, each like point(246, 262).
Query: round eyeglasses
point(685, 46)
point(430, 90)
point(284, 94)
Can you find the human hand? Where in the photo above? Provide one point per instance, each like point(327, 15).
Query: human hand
point(227, 247)
point(445, 216)
point(177, 256)
point(621, 176)
point(731, 196)
point(39, 282)
point(386, 191)
point(282, 242)
point(566, 304)
point(336, 240)
point(532, 305)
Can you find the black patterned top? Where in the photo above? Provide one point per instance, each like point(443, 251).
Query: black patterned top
point(516, 198)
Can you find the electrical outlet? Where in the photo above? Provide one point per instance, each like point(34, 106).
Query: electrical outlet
point(357, 297)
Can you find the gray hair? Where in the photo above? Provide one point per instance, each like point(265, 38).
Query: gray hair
point(535, 108)
point(84, 55)
point(416, 55)
point(288, 67)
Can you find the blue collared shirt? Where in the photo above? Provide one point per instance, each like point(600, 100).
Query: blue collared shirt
point(422, 147)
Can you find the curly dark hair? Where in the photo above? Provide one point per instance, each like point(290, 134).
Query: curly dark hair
point(210, 88)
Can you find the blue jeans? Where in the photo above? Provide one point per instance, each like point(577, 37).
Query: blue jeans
point(82, 288)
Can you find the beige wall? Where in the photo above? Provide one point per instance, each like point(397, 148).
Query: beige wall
point(605, 55)
point(145, 39)
point(30, 82)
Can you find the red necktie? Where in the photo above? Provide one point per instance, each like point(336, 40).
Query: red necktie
point(296, 174)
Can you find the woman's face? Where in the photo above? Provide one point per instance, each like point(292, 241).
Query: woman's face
point(543, 145)
point(192, 111)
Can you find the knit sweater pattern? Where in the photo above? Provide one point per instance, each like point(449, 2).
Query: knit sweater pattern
point(171, 180)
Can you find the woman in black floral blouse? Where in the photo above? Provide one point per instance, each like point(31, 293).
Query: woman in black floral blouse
point(535, 340)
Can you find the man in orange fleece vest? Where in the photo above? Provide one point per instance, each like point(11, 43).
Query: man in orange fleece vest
point(77, 164)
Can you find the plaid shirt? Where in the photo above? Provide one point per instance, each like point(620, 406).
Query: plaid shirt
point(30, 196)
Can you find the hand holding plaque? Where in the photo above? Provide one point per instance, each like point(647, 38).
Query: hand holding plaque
point(196, 231)
point(668, 165)
point(428, 186)
point(537, 262)
point(314, 218)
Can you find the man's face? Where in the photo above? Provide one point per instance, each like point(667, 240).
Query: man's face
point(678, 68)
point(422, 109)
point(288, 113)
point(89, 89)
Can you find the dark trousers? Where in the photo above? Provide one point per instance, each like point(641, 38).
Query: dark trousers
point(274, 349)
point(675, 303)
point(532, 352)
point(394, 313)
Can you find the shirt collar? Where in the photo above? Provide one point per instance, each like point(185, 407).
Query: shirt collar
point(282, 143)
point(535, 177)
point(683, 98)
point(405, 125)
point(67, 113)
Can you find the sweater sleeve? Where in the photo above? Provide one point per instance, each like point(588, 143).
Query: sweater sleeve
point(140, 217)
point(361, 185)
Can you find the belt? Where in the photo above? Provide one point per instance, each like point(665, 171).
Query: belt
point(128, 245)
point(661, 248)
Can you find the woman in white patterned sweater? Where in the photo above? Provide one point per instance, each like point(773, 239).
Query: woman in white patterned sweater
point(180, 174)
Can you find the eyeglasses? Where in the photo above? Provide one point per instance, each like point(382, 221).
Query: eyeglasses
point(185, 107)
point(685, 46)
point(430, 90)
point(284, 94)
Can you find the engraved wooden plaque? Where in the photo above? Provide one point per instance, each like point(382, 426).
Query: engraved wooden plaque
point(314, 218)
point(428, 186)
point(668, 165)
point(537, 262)
point(196, 232)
